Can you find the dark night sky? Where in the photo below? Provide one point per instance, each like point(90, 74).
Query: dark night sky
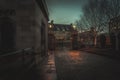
point(65, 11)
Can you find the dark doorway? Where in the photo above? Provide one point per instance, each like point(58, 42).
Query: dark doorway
point(7, 32)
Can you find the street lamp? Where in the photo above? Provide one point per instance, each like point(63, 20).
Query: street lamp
point(50, 26)
point(74, 38)
point(51, 36)
point(74, 27)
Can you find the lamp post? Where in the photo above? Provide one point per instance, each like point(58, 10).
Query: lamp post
point(74, 27)
point(74, 38)
point(51, 26)
point(51, 36)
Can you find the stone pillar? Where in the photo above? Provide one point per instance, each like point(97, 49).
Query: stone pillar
point(117, 41)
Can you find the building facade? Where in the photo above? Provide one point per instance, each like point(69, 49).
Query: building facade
point(63, 33)
point(24, 24)
point(86, 38)
point(114, 30)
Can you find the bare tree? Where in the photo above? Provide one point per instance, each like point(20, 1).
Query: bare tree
point(111, 8)
point(93, 17)
point(82, 24)
point(97, 13)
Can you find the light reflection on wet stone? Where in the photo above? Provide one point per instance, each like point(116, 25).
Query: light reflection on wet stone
point(77, 65)
point(75, 57)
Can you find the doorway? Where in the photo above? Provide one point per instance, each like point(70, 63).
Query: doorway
point(7, 34)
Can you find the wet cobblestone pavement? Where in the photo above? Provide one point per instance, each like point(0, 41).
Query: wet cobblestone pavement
point(49, 69)
point(78, 65)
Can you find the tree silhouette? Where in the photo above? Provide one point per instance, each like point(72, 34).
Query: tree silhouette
point(97, 14)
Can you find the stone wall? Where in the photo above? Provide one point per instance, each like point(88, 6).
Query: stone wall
point(30, 20)
point(25, 25)
point(7, 25)
point(30, 25)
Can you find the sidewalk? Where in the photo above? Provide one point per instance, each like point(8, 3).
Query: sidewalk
point(103, 52)
point(45, 70)
point(48, 69)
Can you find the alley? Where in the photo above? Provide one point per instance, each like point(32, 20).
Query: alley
point(59, 39)
point(77, 65)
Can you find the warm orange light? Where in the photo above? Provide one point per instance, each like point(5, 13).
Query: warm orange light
point(75, 56)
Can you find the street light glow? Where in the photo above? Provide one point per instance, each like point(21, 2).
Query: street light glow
point(50, 26)
point(74, 26)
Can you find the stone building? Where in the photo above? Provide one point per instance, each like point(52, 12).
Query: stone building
point(62, 33)
point(114, 30)
point(86, 38)
point(24, 24)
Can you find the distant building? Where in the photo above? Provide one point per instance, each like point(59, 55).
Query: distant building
point(108, 43)
point(114, 30)
point(86, 38)
point(24, 24)
point(62, 31)
point(114, 25)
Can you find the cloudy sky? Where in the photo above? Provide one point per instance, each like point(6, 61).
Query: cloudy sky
point(65, 11)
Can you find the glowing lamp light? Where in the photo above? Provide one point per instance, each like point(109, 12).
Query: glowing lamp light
point(50, 26)
point(74, 26)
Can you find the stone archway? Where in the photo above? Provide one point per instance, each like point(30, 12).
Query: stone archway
point(7, 34)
